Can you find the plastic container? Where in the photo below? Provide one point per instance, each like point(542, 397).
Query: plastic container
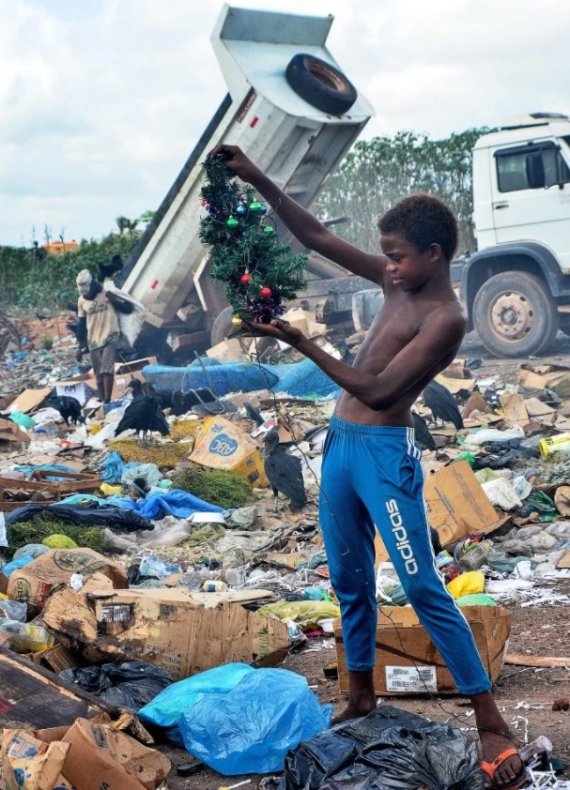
point(555, 445)
point(214, 585)
point(476, 556)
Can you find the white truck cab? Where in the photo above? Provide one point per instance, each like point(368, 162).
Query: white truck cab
point(517, 286)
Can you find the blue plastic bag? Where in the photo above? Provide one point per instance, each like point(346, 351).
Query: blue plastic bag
point(166, 709)
point(251, 728)
point(16, 564)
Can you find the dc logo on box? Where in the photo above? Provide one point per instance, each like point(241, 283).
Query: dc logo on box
point(223, 445)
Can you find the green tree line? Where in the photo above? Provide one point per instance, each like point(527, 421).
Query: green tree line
point(30, 278)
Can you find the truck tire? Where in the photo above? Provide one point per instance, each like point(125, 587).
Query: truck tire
point(320, 84)
point(514, 315)
point(222, 326)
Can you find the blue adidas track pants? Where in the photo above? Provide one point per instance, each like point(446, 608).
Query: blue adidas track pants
point(371, 476)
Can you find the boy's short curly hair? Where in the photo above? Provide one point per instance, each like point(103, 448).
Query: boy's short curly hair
point(422, 220)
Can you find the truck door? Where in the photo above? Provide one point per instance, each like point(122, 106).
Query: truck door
point(530, 207)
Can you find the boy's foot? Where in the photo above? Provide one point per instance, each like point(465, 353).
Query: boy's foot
point(357, 707)
point(502, 766)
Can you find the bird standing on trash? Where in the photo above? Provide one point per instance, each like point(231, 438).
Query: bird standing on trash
point(68, 407)
point(442, 404)
point(284, 472)
point(143, 414)
point(423, 436)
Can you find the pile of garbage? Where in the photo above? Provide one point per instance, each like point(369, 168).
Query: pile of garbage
point(164, 580)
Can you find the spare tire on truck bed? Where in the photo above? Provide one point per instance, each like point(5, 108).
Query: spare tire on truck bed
point(321, 84)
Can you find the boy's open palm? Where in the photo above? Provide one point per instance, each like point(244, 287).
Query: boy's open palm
point(279, 330)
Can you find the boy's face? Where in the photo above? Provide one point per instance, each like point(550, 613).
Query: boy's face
point(407, 267)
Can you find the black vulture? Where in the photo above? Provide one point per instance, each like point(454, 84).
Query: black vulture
point(423, 436)
point(110, 268)
point(143, 414)
point(68, 407)
point(253, 413)
point(284, 472)
point(435, 540)
point(442, 404)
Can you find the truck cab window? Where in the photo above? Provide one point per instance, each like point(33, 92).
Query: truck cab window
point(512, 169)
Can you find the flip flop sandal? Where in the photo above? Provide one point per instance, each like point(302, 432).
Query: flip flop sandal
point(490, 769)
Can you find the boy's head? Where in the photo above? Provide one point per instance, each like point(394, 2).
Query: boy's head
point(420, 232)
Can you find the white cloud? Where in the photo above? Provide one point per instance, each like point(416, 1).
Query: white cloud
point(102, 101)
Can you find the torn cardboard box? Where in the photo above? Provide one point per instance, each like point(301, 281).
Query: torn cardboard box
point(456, 505)
point(89, 755)
point(220, 444)
point(171, 628)
point(36, 581)
point(29, 400)
point(407, 661)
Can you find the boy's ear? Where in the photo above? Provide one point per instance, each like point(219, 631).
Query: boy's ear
point(435, 252)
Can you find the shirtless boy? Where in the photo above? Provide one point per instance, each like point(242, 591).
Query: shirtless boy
point(371, 475)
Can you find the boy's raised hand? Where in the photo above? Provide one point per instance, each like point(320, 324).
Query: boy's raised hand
point(279, 330)
point(236, 160)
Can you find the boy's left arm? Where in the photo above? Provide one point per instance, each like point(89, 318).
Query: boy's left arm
point(439, 336)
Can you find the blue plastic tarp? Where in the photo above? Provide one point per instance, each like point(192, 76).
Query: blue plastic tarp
point(156, 504)
point(300, 379)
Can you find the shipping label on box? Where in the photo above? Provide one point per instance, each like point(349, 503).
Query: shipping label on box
point(411, 680)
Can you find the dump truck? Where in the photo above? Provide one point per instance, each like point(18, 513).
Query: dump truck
point(292, 110)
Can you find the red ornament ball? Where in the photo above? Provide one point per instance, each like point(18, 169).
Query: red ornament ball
point(245, 278)
point(265, 293)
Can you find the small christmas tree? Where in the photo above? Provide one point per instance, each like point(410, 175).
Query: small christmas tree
point(259, 272)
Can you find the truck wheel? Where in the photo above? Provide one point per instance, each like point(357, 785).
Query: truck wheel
point(222, 326)
point(514, 315)
point(320, 84)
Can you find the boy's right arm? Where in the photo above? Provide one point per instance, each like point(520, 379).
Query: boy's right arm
point(304, 226)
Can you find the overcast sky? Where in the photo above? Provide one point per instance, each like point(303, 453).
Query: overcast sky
point(101, 101)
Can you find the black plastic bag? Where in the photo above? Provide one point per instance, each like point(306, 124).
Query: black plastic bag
point(130, 684)
point(90, 514)
point(389, 749)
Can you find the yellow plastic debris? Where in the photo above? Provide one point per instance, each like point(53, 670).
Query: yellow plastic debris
point(306, 613)
point(59, 541)
point(469, 583)
point(110, 490)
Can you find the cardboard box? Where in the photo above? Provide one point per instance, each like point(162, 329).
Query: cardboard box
point(182, 632)
point(29, 400)
point(89, 755)
point(227, 351)
point(457, 506)
point(404, 650)
point(36, 581)
point(220, 444)
point(305, 321)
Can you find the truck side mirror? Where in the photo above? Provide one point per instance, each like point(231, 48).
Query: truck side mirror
point(535, 174)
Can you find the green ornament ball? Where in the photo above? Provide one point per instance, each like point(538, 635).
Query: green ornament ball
point(268, 229)
point(255, 207)
point(232, 222)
